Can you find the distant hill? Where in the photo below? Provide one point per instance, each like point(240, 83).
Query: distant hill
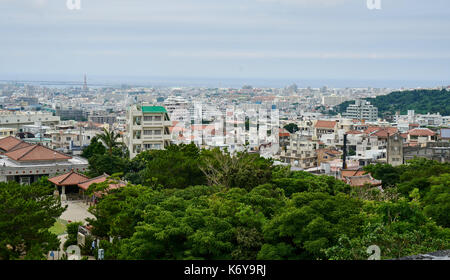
point(421, 101)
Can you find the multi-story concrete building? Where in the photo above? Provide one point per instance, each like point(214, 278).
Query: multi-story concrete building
point(147, 128)
point(362, 110)
point(18, 119)
point(103, 118)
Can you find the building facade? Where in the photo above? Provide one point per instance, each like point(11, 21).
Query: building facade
point(362, 110)
point(147, 128)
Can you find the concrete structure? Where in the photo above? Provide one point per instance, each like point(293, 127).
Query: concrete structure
point(16, 120)
point(362, 110)
point(147, 128)
point(439, 151)
point(394, 150)
point(6, 131)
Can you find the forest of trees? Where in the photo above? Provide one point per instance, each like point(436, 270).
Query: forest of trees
point(185, 203)
point(421, 101)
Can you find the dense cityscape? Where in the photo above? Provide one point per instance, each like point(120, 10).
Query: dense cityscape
point(202, 131)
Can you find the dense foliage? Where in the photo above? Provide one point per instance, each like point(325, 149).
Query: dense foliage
point(186, 203)
point(421, 101)
point(27, 212)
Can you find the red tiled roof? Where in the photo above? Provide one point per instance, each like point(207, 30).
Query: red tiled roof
point(111, 187)
point(69, 179)
point(283, 133)
point(383, 132)
point(20, 145)
point(421, 132)
point(351, 173)
point(36, 153)
point(371, 129)
point(359, 181)
point(85, 184)
point(325, 124)
point(9, 142)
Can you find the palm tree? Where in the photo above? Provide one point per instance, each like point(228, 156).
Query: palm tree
point(109, 139)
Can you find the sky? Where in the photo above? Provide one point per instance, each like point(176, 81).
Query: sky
point(323, 42)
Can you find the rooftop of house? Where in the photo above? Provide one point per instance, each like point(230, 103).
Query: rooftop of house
point(325, 124)
point(36, 152)
point(85, 184)
point(421, 132)
point(68, 179)
point(9, 143)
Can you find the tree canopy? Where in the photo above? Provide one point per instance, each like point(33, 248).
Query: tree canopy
point(187, 203)
point(26, 214)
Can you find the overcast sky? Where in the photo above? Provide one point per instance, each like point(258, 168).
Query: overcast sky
point(407, 40)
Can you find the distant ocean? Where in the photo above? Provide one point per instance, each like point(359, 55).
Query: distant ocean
point(116, 82)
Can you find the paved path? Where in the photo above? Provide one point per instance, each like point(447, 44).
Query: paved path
point(76, 212)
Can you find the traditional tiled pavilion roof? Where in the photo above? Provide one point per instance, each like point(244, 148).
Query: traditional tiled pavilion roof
point(68, 179)
point(86, 183)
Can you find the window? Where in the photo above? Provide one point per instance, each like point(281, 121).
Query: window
point(147, 118)
point(157, 132)
point(157, 119)
point(148, 132)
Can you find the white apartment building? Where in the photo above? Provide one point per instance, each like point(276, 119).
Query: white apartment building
point(147, 128)
point(333, 100)
point(362, 110)
point(18, 119)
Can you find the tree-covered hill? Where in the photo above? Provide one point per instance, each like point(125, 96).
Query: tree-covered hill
point(421, 101)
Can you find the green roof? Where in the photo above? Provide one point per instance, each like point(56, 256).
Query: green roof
point(153, 109)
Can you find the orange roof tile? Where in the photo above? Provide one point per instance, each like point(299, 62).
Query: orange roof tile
point(325, 124)
point(9, 142)
point(359, 181)
point(85, 184)
point(351, 173)
point(354, 132)
point(421, 132)
point(69, 179)
point(36, 153)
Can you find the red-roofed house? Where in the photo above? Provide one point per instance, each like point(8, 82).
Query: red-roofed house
point(26, 163)
point(421, 135)
point(325, 127)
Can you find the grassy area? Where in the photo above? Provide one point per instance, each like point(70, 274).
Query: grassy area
point(59, 227)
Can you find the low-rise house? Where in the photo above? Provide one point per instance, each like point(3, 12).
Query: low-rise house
point(26, 163)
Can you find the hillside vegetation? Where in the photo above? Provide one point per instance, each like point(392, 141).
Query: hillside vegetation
point(421, 101)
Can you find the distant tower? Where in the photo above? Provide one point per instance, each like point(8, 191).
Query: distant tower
point(85, 88)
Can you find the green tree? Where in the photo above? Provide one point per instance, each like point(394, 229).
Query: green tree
point(26, 214)
point(242, 170)
point(292, 127)
point(310, 223)
point(437, 200)
point(94, 148)
point(109, 139)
